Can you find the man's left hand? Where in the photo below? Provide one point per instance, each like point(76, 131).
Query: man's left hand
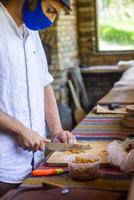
point(65, 137)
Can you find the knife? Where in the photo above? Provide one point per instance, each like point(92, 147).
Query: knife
point(65, 147)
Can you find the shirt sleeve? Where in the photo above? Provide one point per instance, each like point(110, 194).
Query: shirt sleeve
point(47, 77)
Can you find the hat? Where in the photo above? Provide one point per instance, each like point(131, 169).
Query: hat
point(67, 3)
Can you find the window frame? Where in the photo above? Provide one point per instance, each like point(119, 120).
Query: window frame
point(121, 52)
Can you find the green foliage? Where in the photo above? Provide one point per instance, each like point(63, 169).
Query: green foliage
point(112, 34)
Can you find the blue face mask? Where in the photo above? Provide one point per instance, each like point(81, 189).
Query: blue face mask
point(36, 19)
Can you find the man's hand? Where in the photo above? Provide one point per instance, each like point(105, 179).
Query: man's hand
point(65, 137)
point(31, 140)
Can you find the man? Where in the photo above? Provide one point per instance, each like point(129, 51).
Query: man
point(26, 97)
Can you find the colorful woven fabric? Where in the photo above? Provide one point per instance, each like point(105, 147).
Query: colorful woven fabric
point(106, 126)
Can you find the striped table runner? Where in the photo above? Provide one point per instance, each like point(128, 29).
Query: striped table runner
point(102, 126)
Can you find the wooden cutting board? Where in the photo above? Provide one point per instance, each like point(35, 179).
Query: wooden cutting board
point(60, 158)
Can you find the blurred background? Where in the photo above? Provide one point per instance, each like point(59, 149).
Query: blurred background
point(85, 47)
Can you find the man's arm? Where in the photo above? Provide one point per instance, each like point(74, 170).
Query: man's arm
point(52, 118)
point(27, 138)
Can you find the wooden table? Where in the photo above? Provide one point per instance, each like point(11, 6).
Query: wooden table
point(120, 95)
point(95, 127)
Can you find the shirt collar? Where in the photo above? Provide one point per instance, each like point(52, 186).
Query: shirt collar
point(12, 23)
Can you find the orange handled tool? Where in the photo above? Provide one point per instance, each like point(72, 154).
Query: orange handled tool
point(47, 172)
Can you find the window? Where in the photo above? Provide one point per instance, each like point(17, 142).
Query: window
point(115, 25)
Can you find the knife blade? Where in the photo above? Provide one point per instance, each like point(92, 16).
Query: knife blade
point(65, 147)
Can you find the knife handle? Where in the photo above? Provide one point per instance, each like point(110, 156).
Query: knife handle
point(47, 172)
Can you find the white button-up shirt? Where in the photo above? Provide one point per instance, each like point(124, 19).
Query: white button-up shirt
point(23, 76)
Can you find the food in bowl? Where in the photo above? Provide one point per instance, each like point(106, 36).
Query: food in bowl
point(84, 167)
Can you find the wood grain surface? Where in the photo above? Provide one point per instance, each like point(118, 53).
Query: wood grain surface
point(121, 95)
point(59, 158)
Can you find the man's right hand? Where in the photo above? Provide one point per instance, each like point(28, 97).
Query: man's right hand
point(31, 140)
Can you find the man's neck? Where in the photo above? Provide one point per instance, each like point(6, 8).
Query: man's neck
point(14, 7)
